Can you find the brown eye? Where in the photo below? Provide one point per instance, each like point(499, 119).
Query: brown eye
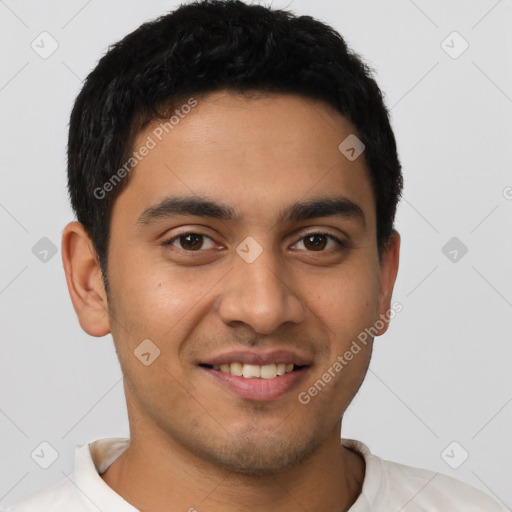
point(320, 242)
point(191, 242)
point(315, 242)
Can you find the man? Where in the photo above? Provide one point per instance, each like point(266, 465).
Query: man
point(235, 180)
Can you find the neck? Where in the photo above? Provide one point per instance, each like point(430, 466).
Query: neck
point(156, 474)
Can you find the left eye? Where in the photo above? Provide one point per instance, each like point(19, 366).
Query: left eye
point(319, 241)
point(191, 242)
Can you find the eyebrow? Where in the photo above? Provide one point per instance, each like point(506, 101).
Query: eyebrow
point(323, 207)
point(186, 205)
point(171, 206)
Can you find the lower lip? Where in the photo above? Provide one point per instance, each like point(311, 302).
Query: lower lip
point(259, 389)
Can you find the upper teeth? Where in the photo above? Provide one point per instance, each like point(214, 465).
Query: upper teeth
point(249, 371)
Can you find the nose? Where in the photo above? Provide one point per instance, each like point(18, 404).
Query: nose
point(257, 295)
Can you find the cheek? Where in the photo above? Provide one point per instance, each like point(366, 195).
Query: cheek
point(154, 297)
point(347, 301)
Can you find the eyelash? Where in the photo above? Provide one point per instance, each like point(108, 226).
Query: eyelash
point(341, 244)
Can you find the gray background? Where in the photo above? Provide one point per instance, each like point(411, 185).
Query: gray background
point(440, 374)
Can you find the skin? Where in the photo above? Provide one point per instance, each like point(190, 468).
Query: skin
point(194, 444)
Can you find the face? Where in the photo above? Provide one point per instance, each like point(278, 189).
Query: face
point(245, 242)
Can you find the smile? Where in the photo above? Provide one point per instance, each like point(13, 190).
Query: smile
point(255, 371)
point(258, 373)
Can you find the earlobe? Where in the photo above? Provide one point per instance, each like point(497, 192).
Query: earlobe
point(388, 272)
point(83, 278)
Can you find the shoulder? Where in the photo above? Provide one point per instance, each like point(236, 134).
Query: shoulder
point(84, 490)
point(429, 490)
point(388, 484)
point(58, 497)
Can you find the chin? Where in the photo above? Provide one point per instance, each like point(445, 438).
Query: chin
point(255, 454)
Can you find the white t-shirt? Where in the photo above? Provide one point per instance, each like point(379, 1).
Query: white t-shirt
point(387, 486)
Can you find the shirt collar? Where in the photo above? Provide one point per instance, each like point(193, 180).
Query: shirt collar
point(91, 460)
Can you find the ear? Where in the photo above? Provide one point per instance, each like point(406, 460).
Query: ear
point(388, 271)
point(83, 277)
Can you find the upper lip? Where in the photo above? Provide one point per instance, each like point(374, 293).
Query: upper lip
point(259, 357)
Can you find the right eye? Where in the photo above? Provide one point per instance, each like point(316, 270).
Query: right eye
point(193, 242)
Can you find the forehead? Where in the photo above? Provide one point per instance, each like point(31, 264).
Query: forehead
point(254, 153)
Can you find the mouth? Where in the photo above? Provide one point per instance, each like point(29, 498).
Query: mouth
point(255, 371)
point(255, 375)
